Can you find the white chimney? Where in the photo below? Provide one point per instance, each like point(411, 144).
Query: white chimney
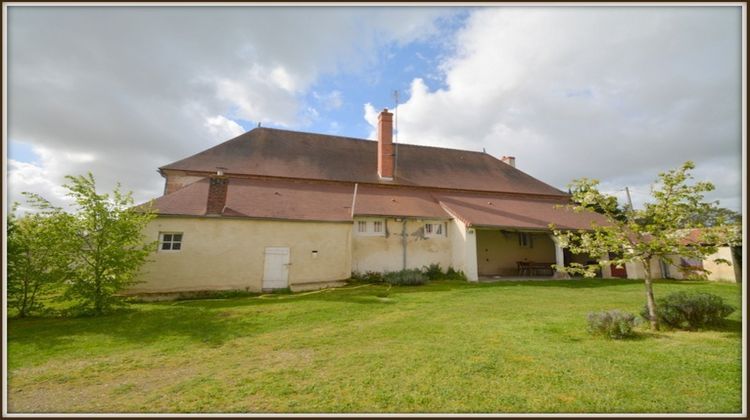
point(510, 160)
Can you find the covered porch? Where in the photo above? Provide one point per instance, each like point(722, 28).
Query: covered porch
point(519, 253)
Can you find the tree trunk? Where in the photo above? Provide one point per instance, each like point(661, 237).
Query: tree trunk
point(650, 303)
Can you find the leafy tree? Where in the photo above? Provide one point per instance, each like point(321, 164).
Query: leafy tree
point(656, 232)
point(109, 244)
point(38, 253)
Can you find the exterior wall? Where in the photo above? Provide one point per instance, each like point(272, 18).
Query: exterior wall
point(463, 249)
point(718, 272)
point(386, 253)
point(724, 272)
point(498, 251)
point(226, 254)
point(636, 271)
point(176, 180)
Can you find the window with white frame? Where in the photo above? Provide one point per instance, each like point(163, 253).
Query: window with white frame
point(433, 229)
point(371, 227)
point(170, 241)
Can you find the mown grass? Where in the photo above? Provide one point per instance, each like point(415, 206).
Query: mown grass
point(508, 347)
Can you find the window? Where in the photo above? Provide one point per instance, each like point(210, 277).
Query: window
point(525, 240)
point(171, 241)
point(433, 229)
point(370, 227)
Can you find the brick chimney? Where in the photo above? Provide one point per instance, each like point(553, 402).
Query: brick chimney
point(385, 145)
point(217, 193)
point(510, 160)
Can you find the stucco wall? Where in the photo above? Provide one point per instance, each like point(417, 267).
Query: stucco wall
point(222, 254)
point(385, 253)
point(463, 248)
point(718, 272)
point(499, 251)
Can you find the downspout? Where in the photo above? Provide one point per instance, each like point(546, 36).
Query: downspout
point(354, 198)
point(403, 240)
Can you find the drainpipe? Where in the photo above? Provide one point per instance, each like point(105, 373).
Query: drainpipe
point(403, 240)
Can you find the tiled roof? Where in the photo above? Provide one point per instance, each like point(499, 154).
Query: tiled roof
point(291, 154)
point(512, 212)
point(272, 199)
point(404, 202)
point(321, 201)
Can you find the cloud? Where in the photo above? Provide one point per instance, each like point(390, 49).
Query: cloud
point(332, 100)
point(223, 128)
point(120, 91)
point(613, 93)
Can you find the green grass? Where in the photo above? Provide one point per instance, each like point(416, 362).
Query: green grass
point(450, 346)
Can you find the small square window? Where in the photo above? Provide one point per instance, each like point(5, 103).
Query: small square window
point(433, 229)
point(377, 227)
point(170, 241)
point(362, 227)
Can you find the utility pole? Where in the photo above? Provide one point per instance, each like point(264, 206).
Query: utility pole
point(630, 200)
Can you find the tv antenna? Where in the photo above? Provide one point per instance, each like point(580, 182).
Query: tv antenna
point(395, 133)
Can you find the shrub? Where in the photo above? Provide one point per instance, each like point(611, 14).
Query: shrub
point(613, 324)
point(433, 271)
point(368, 276)
point(452, 274)
point(690, 310)
point(410, 277)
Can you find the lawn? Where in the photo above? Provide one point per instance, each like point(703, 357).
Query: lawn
point(506, 347)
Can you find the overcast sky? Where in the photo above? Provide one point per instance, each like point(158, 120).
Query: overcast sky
point(614, 93)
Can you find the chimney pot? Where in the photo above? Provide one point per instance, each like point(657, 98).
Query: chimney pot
point(510, 160)
point(385, 145)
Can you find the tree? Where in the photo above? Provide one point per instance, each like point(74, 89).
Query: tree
point(38, 253)
point(658, 231)
point(109, 245)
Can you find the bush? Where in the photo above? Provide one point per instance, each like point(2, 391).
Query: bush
point(368, 276)
point(452, 274)
point(690, 310)
point(613, 324)
point(410, 277)
point(433, 271)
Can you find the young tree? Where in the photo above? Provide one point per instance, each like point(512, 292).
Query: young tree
point(656, 232)
point(38, 253)
point(110, 247)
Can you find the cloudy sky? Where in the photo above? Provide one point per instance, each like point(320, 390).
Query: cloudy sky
point(613, 93)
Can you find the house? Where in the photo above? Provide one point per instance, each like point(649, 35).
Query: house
point(275, 208)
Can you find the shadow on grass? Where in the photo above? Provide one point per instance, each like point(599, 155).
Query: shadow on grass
point(135, 325)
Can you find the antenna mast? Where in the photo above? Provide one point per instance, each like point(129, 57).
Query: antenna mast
point(395, 122)
point(395, 134)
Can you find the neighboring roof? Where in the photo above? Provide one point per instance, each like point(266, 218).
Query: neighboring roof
point(517, 213)
point(291, 154)
point(405, 202)
point(272, 199)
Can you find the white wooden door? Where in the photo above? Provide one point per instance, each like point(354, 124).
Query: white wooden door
point(276, 268)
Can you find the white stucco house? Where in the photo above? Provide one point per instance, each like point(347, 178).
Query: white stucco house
point(274, 209)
